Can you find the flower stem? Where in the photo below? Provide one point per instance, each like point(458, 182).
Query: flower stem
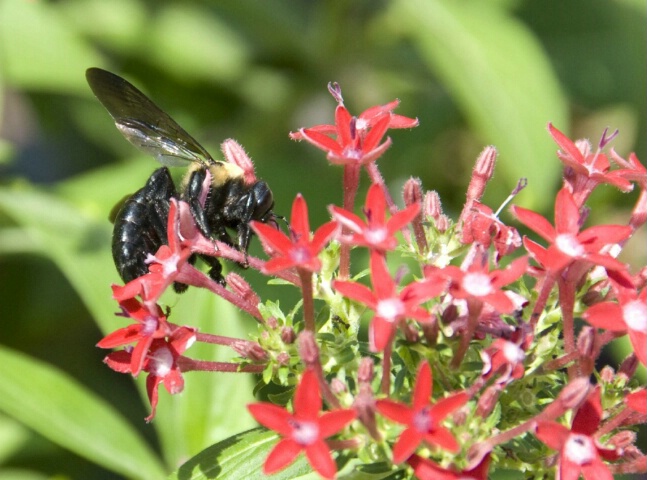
point(308, 300)
point(351, 182)
point(188, 364)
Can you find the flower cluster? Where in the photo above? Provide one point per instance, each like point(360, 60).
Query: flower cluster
point(461, 353)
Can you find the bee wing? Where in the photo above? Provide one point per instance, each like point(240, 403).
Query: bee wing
point(143, 123)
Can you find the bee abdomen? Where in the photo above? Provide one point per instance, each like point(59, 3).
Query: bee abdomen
point(140, 225)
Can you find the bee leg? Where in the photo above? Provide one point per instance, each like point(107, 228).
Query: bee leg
point(192, 195)
point(215, 272)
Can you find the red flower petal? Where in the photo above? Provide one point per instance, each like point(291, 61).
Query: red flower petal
point(307, 397)
point(322, 236)
point(320, 140)
point(409, 440)
point(423, 388)
point(395, 411)
point(443, 438)
point(332, 422)
point(356, 291)
point(567, 214)
point(271, 416)
point(283, 453)
point(321, 460)
point(606, 315)
point(445, 406)
point(535, 222)
point(299, 223)
point(375, 207)
point(380, 332)
point(552, 434)
point(271, 238)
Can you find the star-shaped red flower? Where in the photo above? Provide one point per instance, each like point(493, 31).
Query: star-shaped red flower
point(579, 451)
point(479, 284)
point(151, 324)
point(422, 419)
point(567, 243)
point(303, 430)
point(587, 169)
point(355, 140)
point(628, 315)
point(390, 307)
point(299, 249)
point(161, 363)
point(376, 233)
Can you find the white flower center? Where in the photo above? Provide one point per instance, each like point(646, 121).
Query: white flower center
point(513, 353)
point(422, 421)
point(149, 325)
point(569, 245)
point(579, 449)
point(634, 314)
point(161, 362)
point(390, 309)
point(304, 433)
point(375, 235)
point(477, 284)
point(300, 255)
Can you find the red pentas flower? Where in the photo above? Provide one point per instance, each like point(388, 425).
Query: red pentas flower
point(376, 233)
point(628, 315)
point(161, 363)
point(587, 169)
point(567, 243)
point(355, 140)
point(390, 307)
point(579, 451)
point(164, 267)
point(303, 430)
point(483, 227)
point(422, 419)
point(504, 358)
point(479, 284)
point(299, 249)
point(151, 324)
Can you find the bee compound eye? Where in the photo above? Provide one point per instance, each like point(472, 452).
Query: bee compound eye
point(264, 200)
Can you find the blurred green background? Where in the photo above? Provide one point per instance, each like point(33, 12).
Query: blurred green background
point(475, 73)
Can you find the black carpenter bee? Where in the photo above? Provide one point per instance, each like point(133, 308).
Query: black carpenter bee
point(141, 222)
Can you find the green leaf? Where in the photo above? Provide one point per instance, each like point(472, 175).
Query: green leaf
point(499, 75)
point(213, 404)
point(41, 50)
point(77, 241)
point(57, 407)
point(240, 457)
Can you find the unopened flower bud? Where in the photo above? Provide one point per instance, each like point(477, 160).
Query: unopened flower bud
point(574, 392)
point(337, 386)
point(272, 323)
point(365, 370)
point(442, 224)
point(287, 335)
point(252, 351)
point(623, 439)
point(607, 374)
point(283, 358)
point(639, 213)
point(586, 342)
point(431, 205)
point(628, 366)
point(308, 350)
point(482, 173)
point(412, 194)
point(240, 286)
point(449, 315)
point(488, 401)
